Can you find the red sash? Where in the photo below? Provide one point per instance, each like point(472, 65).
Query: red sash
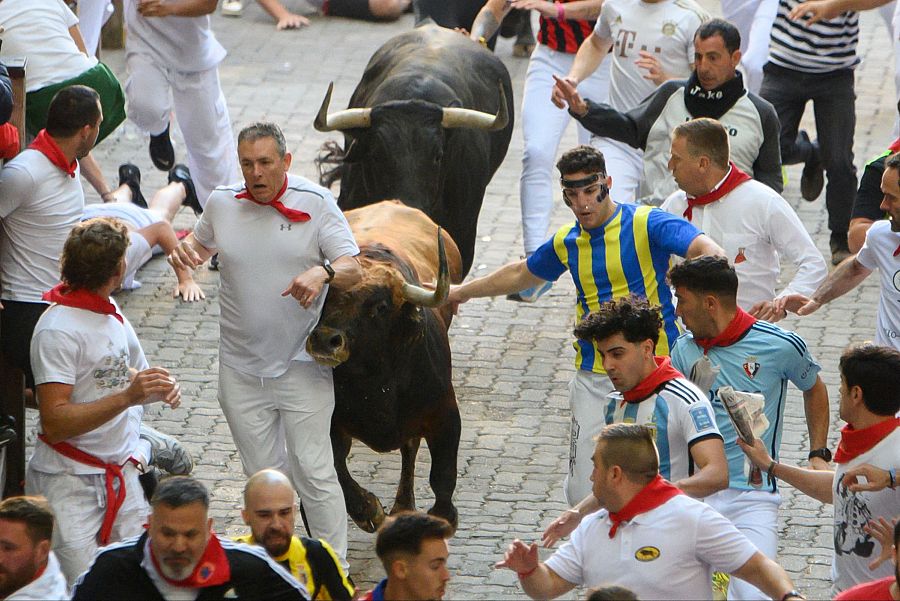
point(735, 178)
point(114, 498)
point(292, 215)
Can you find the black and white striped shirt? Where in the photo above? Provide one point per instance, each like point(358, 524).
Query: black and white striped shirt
point(818, 48)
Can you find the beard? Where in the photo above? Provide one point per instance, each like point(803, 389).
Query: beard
point(10, 582)
point(176, 573)
point(276, 543)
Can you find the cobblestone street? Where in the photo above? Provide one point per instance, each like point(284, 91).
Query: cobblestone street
point(512, 361)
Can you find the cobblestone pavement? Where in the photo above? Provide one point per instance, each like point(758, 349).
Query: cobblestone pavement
point(511, 361)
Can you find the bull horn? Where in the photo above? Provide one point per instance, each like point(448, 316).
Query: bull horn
point(431, 298)
point(341, 120)
point(456, 117)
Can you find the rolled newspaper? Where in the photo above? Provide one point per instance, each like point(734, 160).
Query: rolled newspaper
point(745, 410)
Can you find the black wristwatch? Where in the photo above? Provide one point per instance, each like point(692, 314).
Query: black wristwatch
point(823, 453)
point(793, 594)
point(330, 271)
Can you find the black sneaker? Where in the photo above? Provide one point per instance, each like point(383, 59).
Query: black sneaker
point(840, 250)
point(161, 152)
point(812, 180)
point(130, 175)
point(180, 173)
point(214, 262)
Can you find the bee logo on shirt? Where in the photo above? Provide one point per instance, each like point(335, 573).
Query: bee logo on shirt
point(751, 367)
point(646, 554)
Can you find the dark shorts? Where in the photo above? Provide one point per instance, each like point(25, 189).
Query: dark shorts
point(17, 321)
point(351, 9)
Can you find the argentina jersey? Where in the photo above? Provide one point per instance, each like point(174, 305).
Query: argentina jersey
point(628, 254)
point(762, 361)
point(679, 415)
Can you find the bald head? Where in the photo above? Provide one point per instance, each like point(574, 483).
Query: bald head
point(269, 510)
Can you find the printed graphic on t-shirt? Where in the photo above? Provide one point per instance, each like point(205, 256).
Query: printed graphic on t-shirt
point(114, 374)
point(849, 536)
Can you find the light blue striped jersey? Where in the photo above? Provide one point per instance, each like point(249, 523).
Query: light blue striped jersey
point(762, 361)
point(679, 414)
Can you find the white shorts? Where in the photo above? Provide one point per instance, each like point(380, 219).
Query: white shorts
point(79, 504)
point(587, 394)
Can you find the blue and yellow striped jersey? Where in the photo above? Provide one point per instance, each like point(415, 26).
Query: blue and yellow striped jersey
point(629, 254)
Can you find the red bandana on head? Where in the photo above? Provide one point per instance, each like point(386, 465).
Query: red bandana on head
point(856, 442)
point(292, 215)
point(735, 178)
point(81, 299)
point(48, 146)
point(662, 374)
point(649, 498)
point(213, 568)
point(742, 322)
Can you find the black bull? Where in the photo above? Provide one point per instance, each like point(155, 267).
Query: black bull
point(428, 124)
point(391, 357)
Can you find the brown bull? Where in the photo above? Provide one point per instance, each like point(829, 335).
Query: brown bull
point(391, 356)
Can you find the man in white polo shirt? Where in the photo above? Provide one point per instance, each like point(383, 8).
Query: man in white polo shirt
point(751, 221)
point(92, 382)
point(881, 251)
point(650, 537)
point(277, 400)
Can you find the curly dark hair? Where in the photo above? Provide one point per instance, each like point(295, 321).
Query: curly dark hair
point(581, 158)
point(632, 316)
point(92, 253)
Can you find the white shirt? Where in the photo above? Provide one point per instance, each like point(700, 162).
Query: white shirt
point(39, 30)
point(853, 547)
point(179, 43)
point(878, 253)
point(91, 352)
point(757, 227)
point(664, 29)
point(667, 553)
point(51, 585)
point(39, 206)
point(679, 414)
point(260, 253)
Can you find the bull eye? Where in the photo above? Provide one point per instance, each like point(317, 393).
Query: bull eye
point(379, 308)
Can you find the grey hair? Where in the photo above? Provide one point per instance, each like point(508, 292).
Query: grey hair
point(178, 491)
point(264, 129)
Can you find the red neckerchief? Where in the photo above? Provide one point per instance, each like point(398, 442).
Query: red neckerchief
point(742, 322)
point(40, 572)
point(897, 252)
point(662, 374)
point(47, 145)
point(81, 299)
point(735, 178)
point(114, 498)
point(856, 442)
point(649, 498)
point(292, 215)
point(213, 568)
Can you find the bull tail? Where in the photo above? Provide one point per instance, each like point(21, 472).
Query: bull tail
point(330, 163)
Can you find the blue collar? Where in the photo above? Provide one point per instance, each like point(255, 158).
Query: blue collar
point(378, 591)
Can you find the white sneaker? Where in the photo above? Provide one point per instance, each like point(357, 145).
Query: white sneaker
point(232, 8)
point(530, 295)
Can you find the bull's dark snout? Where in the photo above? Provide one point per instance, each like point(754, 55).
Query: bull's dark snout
point(328, 346)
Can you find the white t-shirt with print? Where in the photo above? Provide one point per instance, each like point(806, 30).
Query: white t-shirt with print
point(880, 252)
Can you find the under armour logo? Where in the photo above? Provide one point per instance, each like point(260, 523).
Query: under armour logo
point(285, 226)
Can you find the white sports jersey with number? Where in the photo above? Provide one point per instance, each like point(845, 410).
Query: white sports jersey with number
point(880, 252)
point(680, 415)
point(664, 29)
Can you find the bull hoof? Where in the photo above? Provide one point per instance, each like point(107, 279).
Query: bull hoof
point(523, 50)
point(448, 513)
point(372, 516)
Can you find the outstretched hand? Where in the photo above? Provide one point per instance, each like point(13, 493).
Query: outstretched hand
point(520, 558)
point(565, 94)
point(561, 527)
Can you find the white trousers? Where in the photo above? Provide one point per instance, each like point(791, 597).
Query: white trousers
point(754, 19)
point(284, 423)
point(755, 514)
point(542, 128)
point(79, 504)
point(202, 114)
point(587, 395)
point(626, 166)
point(92, 16)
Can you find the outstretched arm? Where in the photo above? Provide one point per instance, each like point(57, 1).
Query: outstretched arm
point(506, 280)
point(847, 276)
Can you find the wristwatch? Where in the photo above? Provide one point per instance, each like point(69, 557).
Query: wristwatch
point(823, 453)
point(330, 271)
